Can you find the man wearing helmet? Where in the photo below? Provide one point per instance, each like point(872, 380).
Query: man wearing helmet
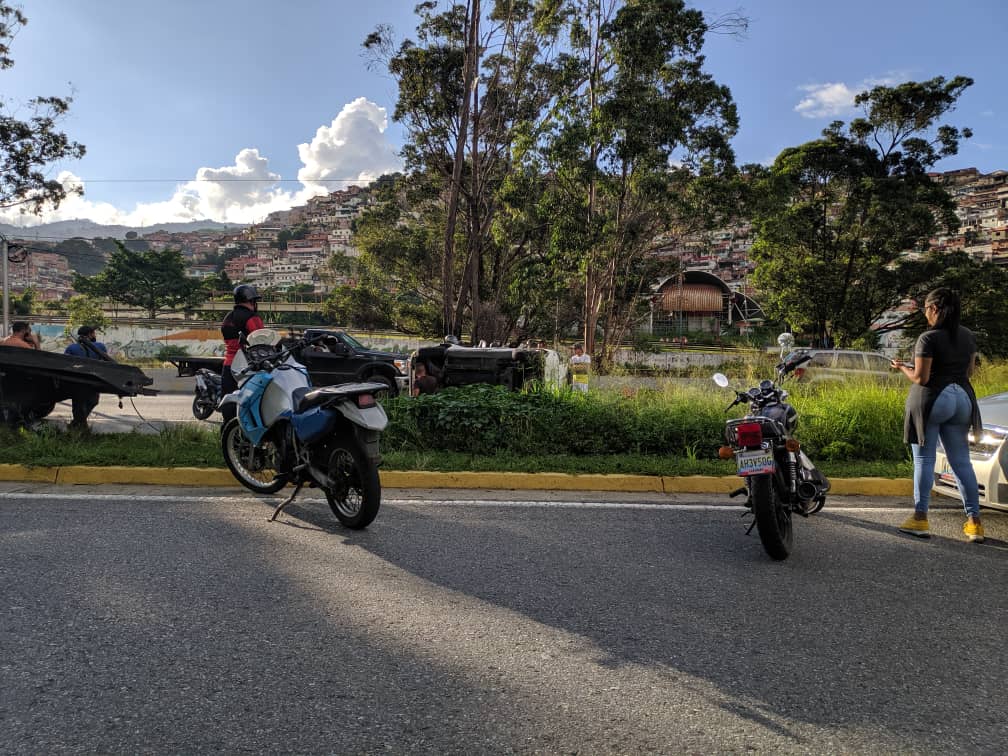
point(237, 325)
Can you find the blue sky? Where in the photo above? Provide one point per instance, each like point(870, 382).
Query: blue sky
point(166, 92)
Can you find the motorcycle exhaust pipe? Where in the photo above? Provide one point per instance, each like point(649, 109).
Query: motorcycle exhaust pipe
point(807, 491)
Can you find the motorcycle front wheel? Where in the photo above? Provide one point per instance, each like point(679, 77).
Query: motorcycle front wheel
point(202, 408)
point(354, 490)
point(255, 468)
point(773, 517)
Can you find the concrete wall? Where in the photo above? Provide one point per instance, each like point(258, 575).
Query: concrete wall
point(134, 342)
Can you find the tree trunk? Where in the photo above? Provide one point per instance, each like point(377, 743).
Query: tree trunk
point(448, 264)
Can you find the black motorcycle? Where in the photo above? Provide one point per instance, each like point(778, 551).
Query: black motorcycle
point(780, 479)
point(208, 393)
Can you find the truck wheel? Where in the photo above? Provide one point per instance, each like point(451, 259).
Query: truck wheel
point(391, 392)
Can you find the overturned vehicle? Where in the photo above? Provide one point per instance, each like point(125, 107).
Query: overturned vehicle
point(455, 365)
point(32, 381)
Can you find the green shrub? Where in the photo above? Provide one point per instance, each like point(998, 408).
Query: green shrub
point(850, 420)
point(171, 351)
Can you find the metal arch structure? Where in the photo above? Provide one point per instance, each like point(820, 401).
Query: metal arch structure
point(702, 297)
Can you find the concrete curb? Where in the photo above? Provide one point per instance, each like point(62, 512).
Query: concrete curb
point(508, 481)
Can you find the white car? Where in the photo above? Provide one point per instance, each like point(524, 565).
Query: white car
point(989, 455)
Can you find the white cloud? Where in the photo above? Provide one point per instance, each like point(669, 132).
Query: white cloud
point(835, 98)
point(352, 147)
point(352, 150)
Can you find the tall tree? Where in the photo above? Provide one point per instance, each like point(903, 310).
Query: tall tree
point(473, 73)
point(981, 285)
point(28, 147)
point(841, 211)
point(153, 280)
point(577, 108)
point(632, 101)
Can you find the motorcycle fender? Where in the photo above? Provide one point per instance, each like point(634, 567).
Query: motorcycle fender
point(368, 440)
point(372, 418)
point(231, 398)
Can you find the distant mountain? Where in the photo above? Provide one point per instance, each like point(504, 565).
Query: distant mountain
point(89, 229)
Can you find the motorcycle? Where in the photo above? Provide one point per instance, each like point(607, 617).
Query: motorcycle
point(780, 479)
point(208, 393)
point(286, 431)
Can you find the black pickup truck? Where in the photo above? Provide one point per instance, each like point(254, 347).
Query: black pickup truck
point(337, 358)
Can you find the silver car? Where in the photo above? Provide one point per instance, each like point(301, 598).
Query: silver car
point(844, 365)
point(989, 455)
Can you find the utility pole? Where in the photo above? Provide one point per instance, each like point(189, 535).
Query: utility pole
point(6, 288)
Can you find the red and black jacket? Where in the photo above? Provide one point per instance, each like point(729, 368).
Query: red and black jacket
point(237, 325)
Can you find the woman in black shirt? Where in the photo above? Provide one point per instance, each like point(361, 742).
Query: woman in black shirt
point(942, 405)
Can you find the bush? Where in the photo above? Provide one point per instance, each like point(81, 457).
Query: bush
point(171, 351)
point(852, 420)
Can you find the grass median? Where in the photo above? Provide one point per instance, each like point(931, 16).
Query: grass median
point(850, 429)
point(196, 446)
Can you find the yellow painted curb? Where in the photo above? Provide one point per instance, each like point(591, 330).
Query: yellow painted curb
point(871, 486)
point(506, 481)
point(701, 483)
point(152, 476)
point(515, 481)
point(28, 474)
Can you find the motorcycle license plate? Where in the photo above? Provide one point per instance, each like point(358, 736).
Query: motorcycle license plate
point(755, 462)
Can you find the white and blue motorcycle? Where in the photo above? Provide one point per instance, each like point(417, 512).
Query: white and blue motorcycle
point(287, 432)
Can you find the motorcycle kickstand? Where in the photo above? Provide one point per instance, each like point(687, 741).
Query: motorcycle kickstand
point(285, 502)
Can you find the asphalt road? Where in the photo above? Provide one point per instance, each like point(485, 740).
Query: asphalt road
point(154, 620)
point(143, 414)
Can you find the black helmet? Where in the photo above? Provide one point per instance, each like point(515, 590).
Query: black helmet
point(245, 293)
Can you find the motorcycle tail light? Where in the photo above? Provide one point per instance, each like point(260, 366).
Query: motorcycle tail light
point(792, 445)
point(749, 434)
point(799, 372)
point(726, 452)
point(365, 400)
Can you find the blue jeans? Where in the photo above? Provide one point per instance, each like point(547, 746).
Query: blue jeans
point(950, 421)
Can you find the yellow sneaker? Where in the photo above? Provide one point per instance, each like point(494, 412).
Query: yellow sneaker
point(917, 528)
point(974, 531)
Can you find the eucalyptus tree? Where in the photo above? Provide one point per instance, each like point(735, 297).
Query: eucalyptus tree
point(474, 70)
point(560, 133)
point(840, 213)
point(634, 123)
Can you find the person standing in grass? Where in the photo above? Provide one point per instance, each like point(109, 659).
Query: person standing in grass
point(942, 405)
point(580, 366)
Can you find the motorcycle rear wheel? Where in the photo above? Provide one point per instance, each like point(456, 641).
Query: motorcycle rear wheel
point(773, 517)
point(354, 493)
point(259, 474)
point(202, 408)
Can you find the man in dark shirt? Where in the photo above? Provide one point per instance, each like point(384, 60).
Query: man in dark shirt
point(237, 325)
point(85, 399)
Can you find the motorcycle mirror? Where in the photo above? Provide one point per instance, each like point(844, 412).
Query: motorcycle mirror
point(720, 379)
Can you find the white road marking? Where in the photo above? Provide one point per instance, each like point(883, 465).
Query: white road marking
point(98, 498)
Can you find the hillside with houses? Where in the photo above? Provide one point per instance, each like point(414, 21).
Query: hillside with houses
point(292, 250)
